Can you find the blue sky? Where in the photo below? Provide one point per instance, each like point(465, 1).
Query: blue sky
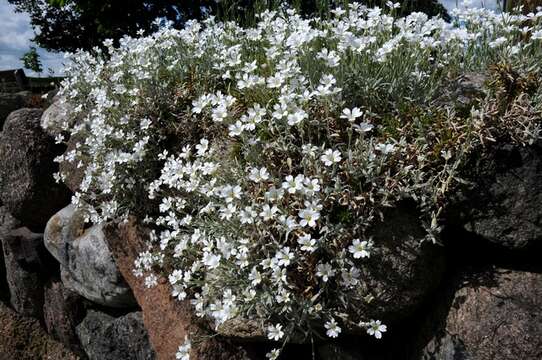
point(16, 32)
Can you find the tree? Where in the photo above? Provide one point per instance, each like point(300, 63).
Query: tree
point(67, 25)
point(31, 60)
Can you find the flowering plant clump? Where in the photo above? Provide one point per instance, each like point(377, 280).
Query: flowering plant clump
point(260, 157)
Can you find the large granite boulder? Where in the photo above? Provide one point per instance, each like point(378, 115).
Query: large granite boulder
point(86, 264)
point(22, 338)
point(495, 315)
point(27, 186)
point(63, 310)
point(402, 270)
point(504, 205)
point(26, 270)
point(104, 337)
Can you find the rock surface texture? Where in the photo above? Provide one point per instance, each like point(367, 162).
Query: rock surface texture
point(63, 310)
point(26, 270)
point(23, 339)
point(10, 102)
point(504, 206)
point(27, 186)
point(402, 270)
point(104, 337)
point(7, 223)
point(86, 264)
point(54, 116)
point(496, 315)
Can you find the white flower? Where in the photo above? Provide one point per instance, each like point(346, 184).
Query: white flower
point(230, 193)
point(307, 243)
point(331, 157)
point(274, 332)
point(333, 330)
point(258, 175)
point(376, 328)
point(362, 127)
point(325, 271)
point(226, 213)
point(211, 260)
point(393, 5)
point(273, 354)
point(268, 212)
point(360, 249)
point(385, 148)
point(296, 117)
point(284, 256)
point(202, 147)
point(247, 215)
point(292, 185)
point(351, 115)
point(236, 129)
point(537, 35)
point(183, 353)
point(308, 217)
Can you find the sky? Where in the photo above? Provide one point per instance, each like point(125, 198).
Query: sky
point(16, 33)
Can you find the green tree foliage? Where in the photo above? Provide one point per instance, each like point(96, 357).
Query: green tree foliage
point(68, 25)
point(31, 60)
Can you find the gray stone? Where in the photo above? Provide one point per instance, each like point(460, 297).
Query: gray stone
point(10, 102)
point(63, 310)
point(55, 117)
point(104, 337)
point(504, 205)
point(25, 270)
point(402, 270)
point(27, 186)
point(7, 223)
point(22, 338)
point(87, 266)
point(495, 315)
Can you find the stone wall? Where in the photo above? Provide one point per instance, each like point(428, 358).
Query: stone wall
point(68, 290)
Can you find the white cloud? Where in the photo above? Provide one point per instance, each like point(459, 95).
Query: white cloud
point(15, 36)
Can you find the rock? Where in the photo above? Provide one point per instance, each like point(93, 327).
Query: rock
point(10, 102)
point(332, 351)
point(27, 186)
point(63, 310)
point(462, 91)
point(167, 320)
point(7, 223)
point(22, 338)
point(504, 205)
point(26, 270)
point(495, 315)
point(104, 337)
point(72, 173)
point(55, 116)
point(87, 266)
point(402, 270)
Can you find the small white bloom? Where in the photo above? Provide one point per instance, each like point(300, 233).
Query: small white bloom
point(307, 243)
point(274, 332)
point(351, 115)
point(183, 353)
point(258, 175)
point(308, 217)
point(273, 354)
point(360, 249)
point(325, 271)
point(268, 212)
point(333, 330)
point(331, 157)
point(376, 328)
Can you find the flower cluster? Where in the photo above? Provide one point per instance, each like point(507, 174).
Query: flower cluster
point(260, 157)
